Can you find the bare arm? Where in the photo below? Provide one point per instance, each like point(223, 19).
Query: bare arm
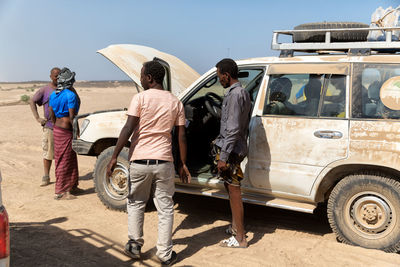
point(35, 113)
point(72, 114)
point(232, 126)
point(123, 138)
point(183, 170)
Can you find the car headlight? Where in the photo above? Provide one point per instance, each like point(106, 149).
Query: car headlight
point(84, 125)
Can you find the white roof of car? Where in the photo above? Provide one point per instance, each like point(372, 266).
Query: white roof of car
point(383, 58)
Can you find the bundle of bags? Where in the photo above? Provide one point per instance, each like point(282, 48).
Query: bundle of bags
point(389, 17)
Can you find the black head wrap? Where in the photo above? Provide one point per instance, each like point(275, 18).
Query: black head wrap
point(65, 79)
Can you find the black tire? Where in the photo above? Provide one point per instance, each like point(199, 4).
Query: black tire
point(364, 210)
point(347, 36)
point(114, 190)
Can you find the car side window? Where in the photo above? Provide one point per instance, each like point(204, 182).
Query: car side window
point(376, 91)
point(300, 95)
point(251, 81)
point(249, 78)
point(334, 101)
point(293, 94)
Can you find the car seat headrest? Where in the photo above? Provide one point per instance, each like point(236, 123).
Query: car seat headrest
point(312, 89)
point(374, 90)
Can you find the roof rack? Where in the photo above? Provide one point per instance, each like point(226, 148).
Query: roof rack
point(328, 47)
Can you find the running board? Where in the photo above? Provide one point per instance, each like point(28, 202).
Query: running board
point(250, 198)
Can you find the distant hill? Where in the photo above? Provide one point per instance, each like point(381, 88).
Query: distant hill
point(110, 83)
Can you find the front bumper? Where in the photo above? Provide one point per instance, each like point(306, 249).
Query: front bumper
point(81, 147)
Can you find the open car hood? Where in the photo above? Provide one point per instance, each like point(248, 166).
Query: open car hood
point(130, 58)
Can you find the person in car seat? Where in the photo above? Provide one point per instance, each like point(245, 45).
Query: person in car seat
point(312, 92)
point(231, 146)
point(279, 97)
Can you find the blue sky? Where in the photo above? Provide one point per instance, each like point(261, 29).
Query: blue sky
point(37, 35)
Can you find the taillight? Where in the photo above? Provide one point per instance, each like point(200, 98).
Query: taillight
point(4, 234)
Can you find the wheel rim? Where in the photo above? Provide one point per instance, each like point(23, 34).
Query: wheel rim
point(370, 214)
point(116, 185)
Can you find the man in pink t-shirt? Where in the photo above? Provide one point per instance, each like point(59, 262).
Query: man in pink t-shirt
point(152, 115)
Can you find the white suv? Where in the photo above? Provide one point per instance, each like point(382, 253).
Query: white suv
point(325, 128)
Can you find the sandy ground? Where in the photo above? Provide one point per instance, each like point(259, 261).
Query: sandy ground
point(82, 232)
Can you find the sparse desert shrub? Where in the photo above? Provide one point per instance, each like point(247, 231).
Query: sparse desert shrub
point(25, 98)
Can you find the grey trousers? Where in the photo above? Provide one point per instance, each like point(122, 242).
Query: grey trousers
point(156, 180)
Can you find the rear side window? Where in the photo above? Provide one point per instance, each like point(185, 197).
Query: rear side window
point(376, 91)
point(312, 95)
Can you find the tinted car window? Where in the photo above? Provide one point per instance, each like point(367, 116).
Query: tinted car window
point(300, 95)
point(376, 91)
point(334, 100)
point(249, 78)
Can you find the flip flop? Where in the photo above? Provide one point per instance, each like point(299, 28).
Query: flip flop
point(45, 180)
point(231, 243)
point(230, 231)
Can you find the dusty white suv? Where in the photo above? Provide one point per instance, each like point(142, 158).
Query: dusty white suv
point(325, 128)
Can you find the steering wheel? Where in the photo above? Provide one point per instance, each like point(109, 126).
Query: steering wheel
point(213, 104)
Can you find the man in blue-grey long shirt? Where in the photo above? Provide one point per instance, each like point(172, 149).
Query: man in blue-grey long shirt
point(231, 146)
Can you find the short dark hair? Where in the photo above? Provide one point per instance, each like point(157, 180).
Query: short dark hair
point(155, 69)
point(55, 68)
point(228, 65)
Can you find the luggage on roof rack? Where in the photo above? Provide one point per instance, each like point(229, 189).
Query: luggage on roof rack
point(327, 45)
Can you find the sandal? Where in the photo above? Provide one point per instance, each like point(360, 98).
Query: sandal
point(231, 243)
point(64, 196)
point(230, 231)
point(45, 180)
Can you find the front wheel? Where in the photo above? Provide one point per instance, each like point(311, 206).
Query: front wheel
point(113, 190)
point(364, 210)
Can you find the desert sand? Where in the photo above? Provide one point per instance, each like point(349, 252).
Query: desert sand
point(82, 232)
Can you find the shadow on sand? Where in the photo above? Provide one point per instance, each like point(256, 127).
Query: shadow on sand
point(44, 244)
point(259, 220)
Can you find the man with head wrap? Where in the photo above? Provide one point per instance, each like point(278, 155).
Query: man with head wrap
point(64, 106)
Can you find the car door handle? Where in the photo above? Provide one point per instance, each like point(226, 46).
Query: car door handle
point(328, 134)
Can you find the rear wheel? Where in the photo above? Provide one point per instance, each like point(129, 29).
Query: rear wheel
point(113, 190)
point(345, 36)
point(364, 210)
